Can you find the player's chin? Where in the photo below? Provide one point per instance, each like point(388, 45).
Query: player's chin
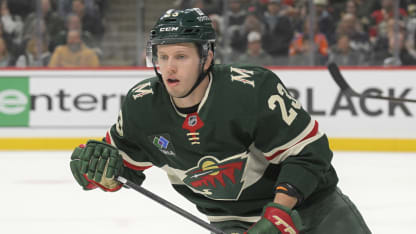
point(174, 93)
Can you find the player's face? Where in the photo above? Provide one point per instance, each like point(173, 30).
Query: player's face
point(180, 66)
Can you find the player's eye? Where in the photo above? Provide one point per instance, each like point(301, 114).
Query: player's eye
point(163, 57)
point(180, 56)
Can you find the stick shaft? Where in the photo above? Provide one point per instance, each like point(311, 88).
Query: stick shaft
point(346, 88)
point(170, 205)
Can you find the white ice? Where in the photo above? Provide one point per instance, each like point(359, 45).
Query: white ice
point(39, 196)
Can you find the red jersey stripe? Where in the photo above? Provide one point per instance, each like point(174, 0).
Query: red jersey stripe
point(310, 134)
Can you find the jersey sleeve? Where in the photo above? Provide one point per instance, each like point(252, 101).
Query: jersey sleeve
point(122, 135)
point(287, 135)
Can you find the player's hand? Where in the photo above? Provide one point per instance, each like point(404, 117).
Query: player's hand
point(277, 219)
point(96, 164)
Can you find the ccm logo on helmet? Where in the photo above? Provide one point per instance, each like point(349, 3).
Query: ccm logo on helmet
point(169, 29)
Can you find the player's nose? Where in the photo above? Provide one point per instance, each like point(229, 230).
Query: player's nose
point(171, 66)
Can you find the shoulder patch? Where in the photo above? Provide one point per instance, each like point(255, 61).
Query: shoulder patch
point(142, 90)
point(243, 75)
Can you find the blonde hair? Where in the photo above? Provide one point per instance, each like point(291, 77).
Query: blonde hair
point(4, 52)
point(32, 45)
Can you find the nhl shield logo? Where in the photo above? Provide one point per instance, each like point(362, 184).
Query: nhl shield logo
point(192, 121)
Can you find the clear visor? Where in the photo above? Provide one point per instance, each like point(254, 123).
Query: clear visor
point(149, 55)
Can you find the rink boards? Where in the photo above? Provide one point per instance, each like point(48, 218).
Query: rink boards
point(58, 109)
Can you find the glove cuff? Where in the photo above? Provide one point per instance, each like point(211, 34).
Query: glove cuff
point(278, 206)
point(108, 187)
point(282, 217)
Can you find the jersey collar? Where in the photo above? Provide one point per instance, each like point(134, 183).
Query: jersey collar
point(204, 98)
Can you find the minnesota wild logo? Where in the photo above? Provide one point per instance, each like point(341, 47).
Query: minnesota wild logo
point(217, 179)
point(142, 90)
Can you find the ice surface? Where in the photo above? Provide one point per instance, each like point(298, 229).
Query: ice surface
point(39, 195)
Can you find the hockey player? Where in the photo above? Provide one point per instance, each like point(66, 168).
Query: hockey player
point(230, 137)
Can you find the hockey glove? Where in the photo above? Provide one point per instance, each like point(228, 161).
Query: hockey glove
point(277, 219)
point(96, 164)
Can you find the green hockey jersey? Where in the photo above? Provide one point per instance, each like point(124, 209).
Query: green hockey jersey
point(247, 136)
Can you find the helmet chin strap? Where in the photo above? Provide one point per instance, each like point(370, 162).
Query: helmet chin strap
point(201, 77)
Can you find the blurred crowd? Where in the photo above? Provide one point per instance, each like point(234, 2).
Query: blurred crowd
point(51, 33)
point(69, 33)
point(303, 33)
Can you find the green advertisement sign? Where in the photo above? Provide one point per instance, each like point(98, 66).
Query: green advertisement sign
point(14, 101)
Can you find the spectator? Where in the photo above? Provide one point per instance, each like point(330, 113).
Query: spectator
point(102, 6)
point(73, 22)
point(12, 24)
point(381, 17)
point(90, 22)
point(350, 7)
point(364, 9)
point(397, 42)
point(4, 54)
point(236, 14)
point(259, 7)
point(36, 54)
point(64, 7)
point(233, 21)
point(254, 54)
point(297, 14)
point(391, 50)
point(220, 48)
point(238, 40)
point(301, 46)
point(213, 7)
point(325, 21)
point(21, 8)
point(182, 4)
point(209, 7)
point(53, 22)
point(74, 53)
point(361, 9)
point(10, 31)
point(342, 54)
point(386, 12)
point(358, 39)
point(278, 33)
point(198, 4)
point(411, 30)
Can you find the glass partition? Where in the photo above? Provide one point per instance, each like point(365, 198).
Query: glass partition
point(113, 33)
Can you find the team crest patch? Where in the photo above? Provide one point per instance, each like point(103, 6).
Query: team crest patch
point(142, 90)
point(217, 179)
point(163, 143)
point(244, 76)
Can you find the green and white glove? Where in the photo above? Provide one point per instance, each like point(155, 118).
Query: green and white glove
point(277, 219)
point(96, 164)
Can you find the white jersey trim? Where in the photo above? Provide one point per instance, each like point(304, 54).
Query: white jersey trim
point(126, 157)
point(295, 145)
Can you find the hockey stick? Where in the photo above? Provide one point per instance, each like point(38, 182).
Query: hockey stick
point(347, 90)
point(169, 205)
